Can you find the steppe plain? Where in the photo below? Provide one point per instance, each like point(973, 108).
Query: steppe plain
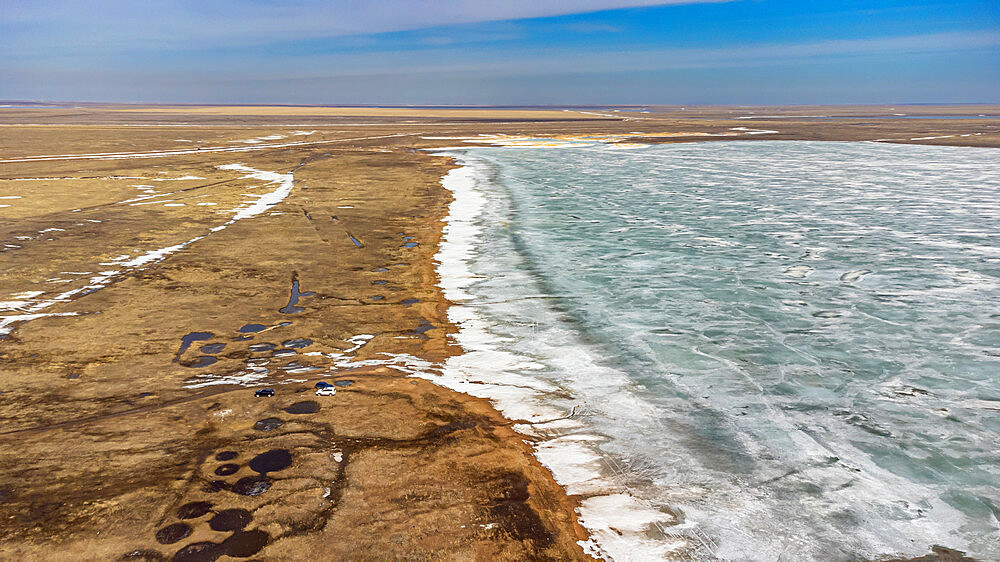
point(135, 329)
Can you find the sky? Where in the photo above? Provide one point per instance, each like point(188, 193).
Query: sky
point(501, 52)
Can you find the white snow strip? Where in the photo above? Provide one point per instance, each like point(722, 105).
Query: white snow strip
point(126, 261)
point(6, 321)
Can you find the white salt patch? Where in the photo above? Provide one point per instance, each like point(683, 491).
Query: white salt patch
point(174, 205)
point(10, 197)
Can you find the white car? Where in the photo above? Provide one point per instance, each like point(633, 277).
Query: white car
point(326, 391)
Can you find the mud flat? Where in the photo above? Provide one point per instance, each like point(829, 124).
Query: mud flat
point(158, 265)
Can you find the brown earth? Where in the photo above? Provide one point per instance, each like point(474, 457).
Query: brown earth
point(119, 445)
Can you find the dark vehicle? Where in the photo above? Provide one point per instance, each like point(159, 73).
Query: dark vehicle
point(322, 384)
point(264, 393)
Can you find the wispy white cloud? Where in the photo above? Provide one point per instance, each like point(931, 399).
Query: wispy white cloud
point(102, 25)
point(556, 60)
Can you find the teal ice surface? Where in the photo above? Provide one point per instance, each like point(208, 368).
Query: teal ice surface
point(817, 325)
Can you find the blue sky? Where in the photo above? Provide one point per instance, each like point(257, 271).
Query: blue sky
point(502, 52)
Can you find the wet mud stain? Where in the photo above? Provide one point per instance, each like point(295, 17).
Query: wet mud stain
point(307, 407)
point(193, 510)
point(225, 456)
point(230, 520)
point(409, 302)
point(293, 298)
point(268, 424)
point(507, 506)
point(173, 533)
point(188, 339)
point(271, 461)
point(252, 485)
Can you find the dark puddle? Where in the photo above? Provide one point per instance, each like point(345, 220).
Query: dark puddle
point(299, 368)
point(376, 297)
point(243, 544)
point(307, 407)
point(357, 243)
point(306, 213)
point(142, 555)
point(199, 552)
point(230, 520)
point(173, 533)
point(193, 510)
point(145, 394)
point(380, 282)
point(227, 469)
point(258, 347)
point(268, 424)
point(271, 461)
point(423, 327)
point(293, 299)
point(381, 270)
point(407, 238)
point(283, 353)
point(188, 339)
point(216, 486)
point(411, 244)
point(343, 383)
point(200, 361)
point(212, 348)
point(226, 456)
point(409, 302)
point(252, 485)
point(242, 338)
point(297, 343)
point(252, 328)
point(334, 218)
